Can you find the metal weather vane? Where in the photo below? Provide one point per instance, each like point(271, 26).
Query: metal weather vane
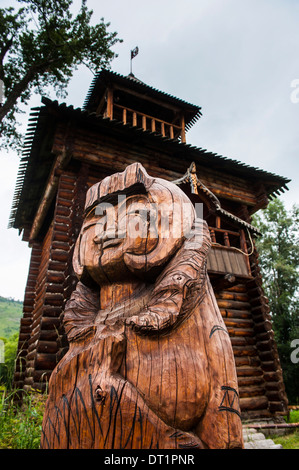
point(134, 53)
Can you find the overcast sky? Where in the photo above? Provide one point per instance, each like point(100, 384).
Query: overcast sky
point(237, 59)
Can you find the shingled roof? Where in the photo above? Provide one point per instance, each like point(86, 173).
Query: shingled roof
point(130, 82)
point(37, 159)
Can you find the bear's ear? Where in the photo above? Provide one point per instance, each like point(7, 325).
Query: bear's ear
point(80, 270)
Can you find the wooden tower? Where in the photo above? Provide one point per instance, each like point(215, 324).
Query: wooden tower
point(123, 121)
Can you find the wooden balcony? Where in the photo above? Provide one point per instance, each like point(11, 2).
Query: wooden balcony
point(229, 253)
point(153, 124)
point(172, 130)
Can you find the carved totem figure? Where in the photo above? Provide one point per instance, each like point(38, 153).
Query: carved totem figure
point(150, 362)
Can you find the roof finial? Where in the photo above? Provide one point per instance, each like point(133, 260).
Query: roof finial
point(134, 53)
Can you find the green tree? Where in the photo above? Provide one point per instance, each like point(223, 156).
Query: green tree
point(41, 44)
point(278, 249)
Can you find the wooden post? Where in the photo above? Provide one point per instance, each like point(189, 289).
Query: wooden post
point(226, 239)
point(144, 122)
point(183, 132)
point(153, 125)
point(171, 132)
point(124, 116)
point(213, 236)
point(110, 103)
point(134, 119)
point(244, 248)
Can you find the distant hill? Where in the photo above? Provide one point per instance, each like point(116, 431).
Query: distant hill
point(10, 315)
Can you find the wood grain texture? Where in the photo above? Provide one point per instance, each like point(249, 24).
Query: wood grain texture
point(150, 363)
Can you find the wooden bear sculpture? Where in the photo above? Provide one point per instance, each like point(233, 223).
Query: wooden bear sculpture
point(150, 363)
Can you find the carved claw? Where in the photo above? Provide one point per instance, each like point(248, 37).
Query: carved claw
point(186, 440)
point(150, 321)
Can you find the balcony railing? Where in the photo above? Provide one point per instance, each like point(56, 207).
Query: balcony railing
point(146, 122)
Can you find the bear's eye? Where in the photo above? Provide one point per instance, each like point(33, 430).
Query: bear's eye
point(177, 277)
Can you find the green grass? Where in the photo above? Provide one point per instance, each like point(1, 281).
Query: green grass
point(294, 417)
point(20, 426)
point(291, 440)
point(10, 315)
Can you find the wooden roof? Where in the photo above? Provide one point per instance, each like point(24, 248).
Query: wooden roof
point(130, 83)
point(37, 159)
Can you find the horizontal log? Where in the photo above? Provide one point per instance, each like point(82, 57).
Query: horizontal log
point(253, 391)
point(275, 395)
point(23, 336)
point(273, 376)
point(270, 365)
point(25, 321)
point(265, 345)
point(57, 266)
point(40, 386)
point(55, 277)
point(63, 211)
point(238, 323)
point(59, 255)
point(31, 354)
point(249, 371)
point(21, 364)
point(226, 295)
point(66, 189)
point(242, 341)
point(277, 385)
point(277, 406)
point(27, 309)
point(267, 355)
point(245, 351)
point(233, 304)
point(19, 376)
point(61, 237)
point(49, 323)
point(256, 414)
point(258, 298)
point(26, 329)
point(254, 403)
point(54, 302)
point(48, 335)
point(247, 361)
point(64, 202)
point(41, 375)
point(22, 353)
point(63, 222)
point(238, 288)
point(54, 288)
point(47, 347)
point(45, 361)
point(240, 331)
point(263, 324)
point(226, 313)
point(264, 336)
point(60, 245)
point(29, 363)
point(51, 311)
point(260, 310)
point(247, 381)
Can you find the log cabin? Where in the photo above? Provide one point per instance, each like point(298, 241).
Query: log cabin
point(123, 121)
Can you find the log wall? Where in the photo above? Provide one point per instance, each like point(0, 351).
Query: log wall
point(27, 318)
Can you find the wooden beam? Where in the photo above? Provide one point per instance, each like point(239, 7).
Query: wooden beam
point(110, 103)
point(48, 195)
point(183, 131)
